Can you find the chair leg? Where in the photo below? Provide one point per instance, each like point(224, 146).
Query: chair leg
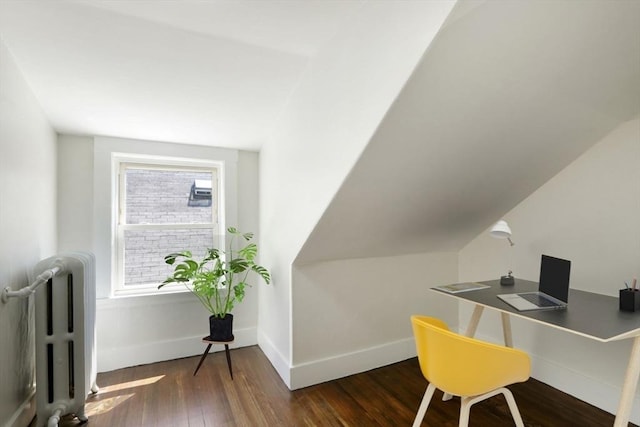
point(467, 401)
point(422, 410)
point(465, 409)
point(515, 413)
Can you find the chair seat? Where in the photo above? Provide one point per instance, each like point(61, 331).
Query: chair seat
point(467, 367)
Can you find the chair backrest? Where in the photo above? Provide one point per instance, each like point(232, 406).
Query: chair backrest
point(465, 366)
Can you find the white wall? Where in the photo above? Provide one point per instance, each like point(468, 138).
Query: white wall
point(27, 229)
point(590, 214)
point(75, 194)
point(145, 329)
point(353, 315)
point(328, 121)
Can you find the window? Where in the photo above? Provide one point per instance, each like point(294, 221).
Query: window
point(162, 208)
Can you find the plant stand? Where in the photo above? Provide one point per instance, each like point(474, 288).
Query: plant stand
point(206, 352)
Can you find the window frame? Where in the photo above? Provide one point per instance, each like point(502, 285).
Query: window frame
point(122, 161)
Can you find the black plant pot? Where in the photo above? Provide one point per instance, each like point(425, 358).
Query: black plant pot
point(221, 328)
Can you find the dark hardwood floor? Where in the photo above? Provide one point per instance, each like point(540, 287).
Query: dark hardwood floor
point(167, 394)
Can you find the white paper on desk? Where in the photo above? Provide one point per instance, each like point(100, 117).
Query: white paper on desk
point(456, 288)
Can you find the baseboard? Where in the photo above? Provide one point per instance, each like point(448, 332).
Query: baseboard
point(279, 362)
point(601, 395)
point(25, 412)
point(113, 358)
point(319, 371)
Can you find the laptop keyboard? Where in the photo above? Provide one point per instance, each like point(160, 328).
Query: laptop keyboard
point(538, 300)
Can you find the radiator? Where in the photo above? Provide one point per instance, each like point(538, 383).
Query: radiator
point(65, 336)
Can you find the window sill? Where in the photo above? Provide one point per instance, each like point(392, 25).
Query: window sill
point(146, 299)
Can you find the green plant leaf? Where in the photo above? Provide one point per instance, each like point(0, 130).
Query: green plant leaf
point(238, 265)
point(185, 270)
point(211, 255)
point(171, 258)
point(166, 282)
point(193, 266)
point(169, 280)
point(263, 272)
point(238, 291)
point(249, 252)
point(214, 278)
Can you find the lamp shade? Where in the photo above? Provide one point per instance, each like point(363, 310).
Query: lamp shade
point(501, 230)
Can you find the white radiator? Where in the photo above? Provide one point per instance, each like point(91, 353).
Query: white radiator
point(65, 336)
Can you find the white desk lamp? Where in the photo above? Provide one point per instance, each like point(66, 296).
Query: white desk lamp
point(501, 230)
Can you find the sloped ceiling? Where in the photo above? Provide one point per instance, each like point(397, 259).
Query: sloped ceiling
point(507, 95)
point(210, 72)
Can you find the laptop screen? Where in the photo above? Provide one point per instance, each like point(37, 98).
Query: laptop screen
point(554, 277)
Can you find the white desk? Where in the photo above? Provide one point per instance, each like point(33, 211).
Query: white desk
point(590, 315)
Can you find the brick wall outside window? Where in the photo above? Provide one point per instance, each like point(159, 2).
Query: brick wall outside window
point(161, 197)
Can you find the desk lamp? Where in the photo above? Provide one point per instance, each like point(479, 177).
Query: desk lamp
point(501, 230)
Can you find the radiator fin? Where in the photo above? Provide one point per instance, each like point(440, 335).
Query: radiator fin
point(50, 377)
point(65, 337)
point(72, 382)
point(70, 303)
point(50, 307)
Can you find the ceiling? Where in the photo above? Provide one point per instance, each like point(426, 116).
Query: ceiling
point(207, 72)
point(506, 96)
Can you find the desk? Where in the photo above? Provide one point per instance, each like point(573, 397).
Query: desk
point(611, 325)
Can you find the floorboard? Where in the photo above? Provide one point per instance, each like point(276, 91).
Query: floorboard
point(167, 394)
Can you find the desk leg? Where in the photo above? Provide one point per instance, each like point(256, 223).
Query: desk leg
point(629, 386)
point(470, 332)
point(506, 329)
point(475, 319)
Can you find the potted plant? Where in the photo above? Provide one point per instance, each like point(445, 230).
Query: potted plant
point(218, 279)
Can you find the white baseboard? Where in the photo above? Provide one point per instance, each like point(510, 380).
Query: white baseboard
point(143, 353)
point(278, 361)
point(319, 371)
point(596, 393)
point(24, 413)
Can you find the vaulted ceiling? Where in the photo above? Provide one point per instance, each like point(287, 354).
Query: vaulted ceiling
point(505, 97)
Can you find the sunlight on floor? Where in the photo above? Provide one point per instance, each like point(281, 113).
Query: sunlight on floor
point(105, 405)
point(130, 384)
point(102, 405)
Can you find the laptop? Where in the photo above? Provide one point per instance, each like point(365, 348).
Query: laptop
point(553, 289)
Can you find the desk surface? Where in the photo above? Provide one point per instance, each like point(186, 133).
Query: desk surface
point(592, 315)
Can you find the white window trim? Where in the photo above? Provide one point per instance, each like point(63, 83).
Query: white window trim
point(118, 160)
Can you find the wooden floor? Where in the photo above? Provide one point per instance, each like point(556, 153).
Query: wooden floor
point(167, 394)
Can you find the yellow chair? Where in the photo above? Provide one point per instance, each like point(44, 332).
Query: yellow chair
point(467, 367)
